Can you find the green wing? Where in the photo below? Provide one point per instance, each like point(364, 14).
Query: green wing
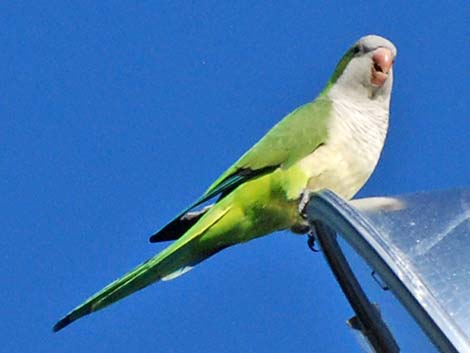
point(294, 137)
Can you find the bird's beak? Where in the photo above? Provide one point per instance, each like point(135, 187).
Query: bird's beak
point(382, 64)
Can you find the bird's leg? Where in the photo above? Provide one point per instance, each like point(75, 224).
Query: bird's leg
point(304, 198)
point(302, 227)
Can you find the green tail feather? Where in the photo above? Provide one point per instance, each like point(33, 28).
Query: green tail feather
point(171, 262)
point(166, 265)
point(134, 280)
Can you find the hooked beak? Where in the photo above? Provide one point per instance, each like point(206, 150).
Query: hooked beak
point(382, 64)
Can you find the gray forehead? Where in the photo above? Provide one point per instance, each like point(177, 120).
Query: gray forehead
point(373, 41)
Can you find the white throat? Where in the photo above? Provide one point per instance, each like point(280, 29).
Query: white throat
point(364, 119)
point(356, 135)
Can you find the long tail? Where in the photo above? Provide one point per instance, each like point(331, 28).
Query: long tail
point(171, 262)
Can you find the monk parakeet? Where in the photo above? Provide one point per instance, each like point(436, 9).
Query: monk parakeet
point(331, 142)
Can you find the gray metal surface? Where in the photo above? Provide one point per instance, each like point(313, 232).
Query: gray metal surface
point(420, 245)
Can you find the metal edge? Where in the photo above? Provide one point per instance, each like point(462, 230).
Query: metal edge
point(368, 318)
point(330, 209)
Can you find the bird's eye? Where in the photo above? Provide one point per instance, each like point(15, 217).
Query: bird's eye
point(356, 49)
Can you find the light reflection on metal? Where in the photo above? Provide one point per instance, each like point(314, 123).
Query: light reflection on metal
point(419, 244)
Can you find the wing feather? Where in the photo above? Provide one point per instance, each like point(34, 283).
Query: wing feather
point(294, 137)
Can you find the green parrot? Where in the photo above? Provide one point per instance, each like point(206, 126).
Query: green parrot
point(332, 142)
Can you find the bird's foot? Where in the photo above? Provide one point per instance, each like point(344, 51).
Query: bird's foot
point(312, 238)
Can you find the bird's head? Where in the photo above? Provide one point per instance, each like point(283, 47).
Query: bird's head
point(367, 68)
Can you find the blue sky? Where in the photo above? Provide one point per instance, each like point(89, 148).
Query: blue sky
point(115, 115)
